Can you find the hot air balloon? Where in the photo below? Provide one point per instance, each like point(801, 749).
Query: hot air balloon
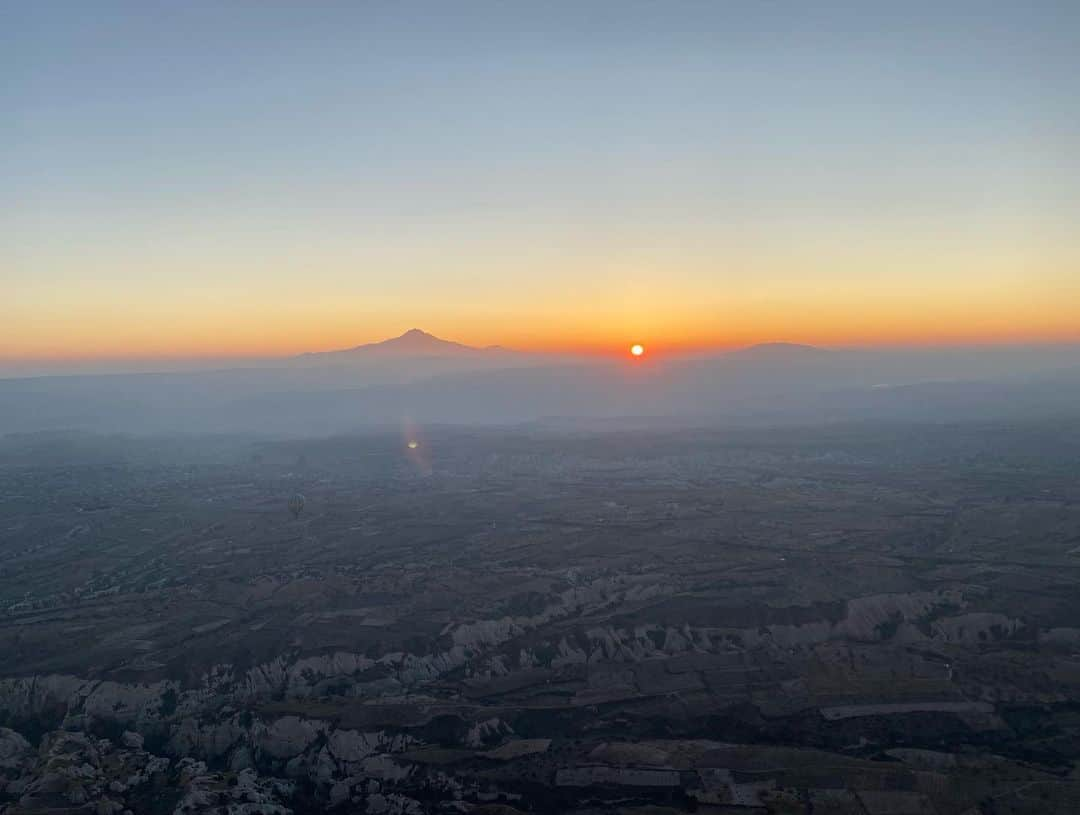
point(296, 505)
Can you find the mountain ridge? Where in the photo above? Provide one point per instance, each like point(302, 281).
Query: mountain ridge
point(414, 342)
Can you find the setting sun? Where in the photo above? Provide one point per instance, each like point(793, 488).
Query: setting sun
point(637, 350)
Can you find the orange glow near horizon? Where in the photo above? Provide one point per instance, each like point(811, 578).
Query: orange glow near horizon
point(831, 289)
point(79, 329)
point(290, 345)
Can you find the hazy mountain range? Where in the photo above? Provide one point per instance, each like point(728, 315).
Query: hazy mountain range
point(422, 378)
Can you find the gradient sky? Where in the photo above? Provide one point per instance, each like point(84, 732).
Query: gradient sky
point(265, 178)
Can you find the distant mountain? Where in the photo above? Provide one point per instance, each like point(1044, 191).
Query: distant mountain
point(413, 343)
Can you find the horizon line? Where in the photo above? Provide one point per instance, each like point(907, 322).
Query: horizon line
point(655, 348)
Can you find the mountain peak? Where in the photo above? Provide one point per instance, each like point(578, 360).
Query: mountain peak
point(416, 339)
point(414, 342)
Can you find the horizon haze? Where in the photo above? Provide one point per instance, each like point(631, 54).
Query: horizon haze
point(417, 377)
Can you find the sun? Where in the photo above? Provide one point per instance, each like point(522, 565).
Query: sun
point(637, 350)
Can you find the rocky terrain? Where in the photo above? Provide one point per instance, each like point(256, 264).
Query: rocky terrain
point(850, 619)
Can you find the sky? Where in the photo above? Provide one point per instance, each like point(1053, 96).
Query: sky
point(222, 179)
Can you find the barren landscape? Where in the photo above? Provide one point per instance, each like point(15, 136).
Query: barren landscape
point(855, 618)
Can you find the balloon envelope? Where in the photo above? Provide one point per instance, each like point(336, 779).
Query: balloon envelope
point(296, 505)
